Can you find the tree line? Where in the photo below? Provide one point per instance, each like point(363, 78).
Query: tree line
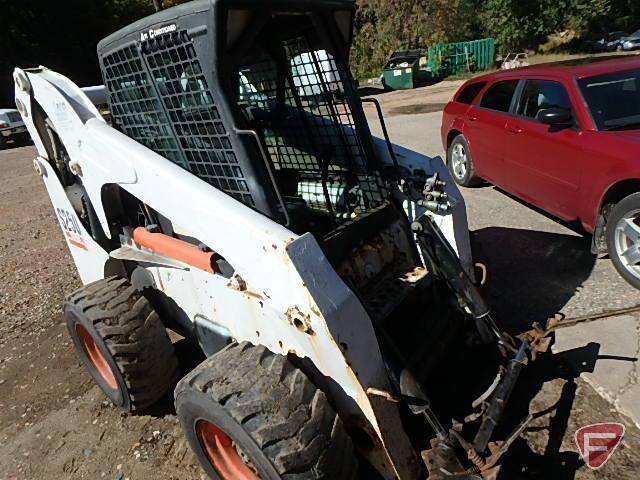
point(548, 25)
point(63, 35)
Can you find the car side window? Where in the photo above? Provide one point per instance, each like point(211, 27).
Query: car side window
point(499, 95)
point(470, 92)
point(539, 95)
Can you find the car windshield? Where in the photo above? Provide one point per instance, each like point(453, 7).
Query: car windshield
point(614, 99)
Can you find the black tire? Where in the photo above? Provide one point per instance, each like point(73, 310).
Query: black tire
point(128, 336)
point(282, 424)
point(626, 206)
point(3, 143)
point(469, 179)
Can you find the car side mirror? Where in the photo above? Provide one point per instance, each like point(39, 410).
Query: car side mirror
point(555, 116)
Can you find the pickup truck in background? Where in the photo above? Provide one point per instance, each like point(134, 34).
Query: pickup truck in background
point(12, 128)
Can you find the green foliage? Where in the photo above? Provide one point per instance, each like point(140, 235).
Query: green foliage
point(383, 26)
point(59, 35)
point(520, 24)
point(63, 35)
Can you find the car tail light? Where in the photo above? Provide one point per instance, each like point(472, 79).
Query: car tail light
point(4, 124)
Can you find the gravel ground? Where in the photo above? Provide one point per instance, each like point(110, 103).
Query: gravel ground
point(55, 424)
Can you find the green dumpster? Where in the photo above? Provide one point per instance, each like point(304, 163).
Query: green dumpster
point(402, 70)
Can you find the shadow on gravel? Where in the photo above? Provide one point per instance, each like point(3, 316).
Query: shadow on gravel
point(374, 90)
point(546, 459)
point(13, 144)
point(417, 108)
point(531, 277)
point(532, 274)
point(546, 390)
point(189, 357)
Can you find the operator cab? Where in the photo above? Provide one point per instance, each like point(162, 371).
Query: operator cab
point(294, 89)
point(258, 101)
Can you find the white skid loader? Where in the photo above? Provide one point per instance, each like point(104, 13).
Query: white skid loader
point(237, 197)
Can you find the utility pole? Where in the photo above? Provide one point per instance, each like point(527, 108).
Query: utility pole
point(158, 5)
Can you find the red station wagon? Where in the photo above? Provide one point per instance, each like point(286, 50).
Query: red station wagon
point(563, 137)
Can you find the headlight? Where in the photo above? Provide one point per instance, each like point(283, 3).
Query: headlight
point(627, 44)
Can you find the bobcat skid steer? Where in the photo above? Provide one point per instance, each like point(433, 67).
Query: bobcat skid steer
point(237, 197)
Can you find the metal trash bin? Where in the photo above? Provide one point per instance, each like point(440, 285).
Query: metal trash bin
point(402, 70)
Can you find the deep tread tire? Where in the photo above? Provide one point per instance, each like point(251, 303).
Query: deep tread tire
point(470, 178)
point(131, 337)
point(626, 205)
point(276, 416)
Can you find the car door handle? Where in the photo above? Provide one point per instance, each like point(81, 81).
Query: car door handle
point(473, 119)
point(515, 130)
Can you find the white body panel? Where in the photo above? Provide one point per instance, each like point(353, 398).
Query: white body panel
point(287, 276)
point(84, 250)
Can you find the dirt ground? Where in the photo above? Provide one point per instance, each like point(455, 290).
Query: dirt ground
point(406, 102)
point(55, 424)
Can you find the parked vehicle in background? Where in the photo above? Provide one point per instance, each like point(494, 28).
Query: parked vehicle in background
point(12, 128)
point(609, 42)
point(563, 137)
point(631, 42)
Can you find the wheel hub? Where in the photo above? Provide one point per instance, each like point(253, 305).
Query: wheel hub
point(229, 461)
point(627, 242)
point(459, 161)
point(96, 357)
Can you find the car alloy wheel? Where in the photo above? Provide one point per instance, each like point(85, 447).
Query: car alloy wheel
point(627, 242)
point(459, 161)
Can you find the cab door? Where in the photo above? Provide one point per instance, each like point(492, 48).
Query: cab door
point(544, 162)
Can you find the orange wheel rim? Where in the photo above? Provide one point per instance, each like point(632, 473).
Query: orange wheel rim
point(96, 357)
point(223, 453)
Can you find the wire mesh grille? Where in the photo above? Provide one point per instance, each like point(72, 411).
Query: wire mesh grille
point(175, 115)
point(309, 130)
point(135, 108)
